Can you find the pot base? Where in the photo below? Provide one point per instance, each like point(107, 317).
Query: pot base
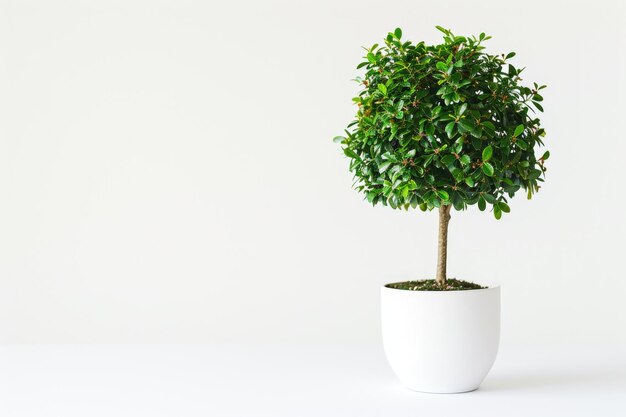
point(441, 392)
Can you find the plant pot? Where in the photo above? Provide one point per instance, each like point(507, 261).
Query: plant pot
point(441, 341)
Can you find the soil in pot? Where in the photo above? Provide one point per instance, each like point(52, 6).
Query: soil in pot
point(451, 284)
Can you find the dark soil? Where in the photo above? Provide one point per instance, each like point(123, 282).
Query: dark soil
point(432, 285)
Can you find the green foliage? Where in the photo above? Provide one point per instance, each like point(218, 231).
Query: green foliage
point(443, 124)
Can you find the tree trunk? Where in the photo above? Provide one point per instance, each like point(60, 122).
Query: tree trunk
point(442, 253)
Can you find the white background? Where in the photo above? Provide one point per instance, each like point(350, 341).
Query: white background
point(167, 174)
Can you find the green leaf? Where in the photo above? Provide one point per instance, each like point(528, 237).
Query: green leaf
point(510, 55)
point(371, 196)
point(350, 153)
point(546, 155)
point(398, 33)
point(512, 71)
point(534, 174)
point(469, 181)
point(497, 212)
point(382, 88)
point(441, 66)
point(443, 195)
point(338, 139)
point(487, 153)
point(465, 160)
point(488, 169)
point(518, 130)
point(466, 127)
point(489, 198)
point(504, 207)
point(482, 204)
point(384, 166)
point(448, 160)
point(477, 132)
point(489, 125)
point(521, 144)
point(450, 129)
point(457, 174)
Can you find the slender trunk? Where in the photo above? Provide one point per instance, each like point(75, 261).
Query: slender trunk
point(442, 252)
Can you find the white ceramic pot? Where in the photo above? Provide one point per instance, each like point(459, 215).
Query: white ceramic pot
point(441, 341)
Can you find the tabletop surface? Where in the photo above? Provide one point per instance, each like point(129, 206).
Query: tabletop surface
point(293, 380)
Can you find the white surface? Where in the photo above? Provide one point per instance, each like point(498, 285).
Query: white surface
point(167, 173)
point(441, 341)
point(243, 381)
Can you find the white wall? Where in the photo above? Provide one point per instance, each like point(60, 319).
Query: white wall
point(167, 173)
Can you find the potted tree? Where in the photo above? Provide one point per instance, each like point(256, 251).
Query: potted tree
point(440, 127)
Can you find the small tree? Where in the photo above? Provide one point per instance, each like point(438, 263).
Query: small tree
point(441, 126)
